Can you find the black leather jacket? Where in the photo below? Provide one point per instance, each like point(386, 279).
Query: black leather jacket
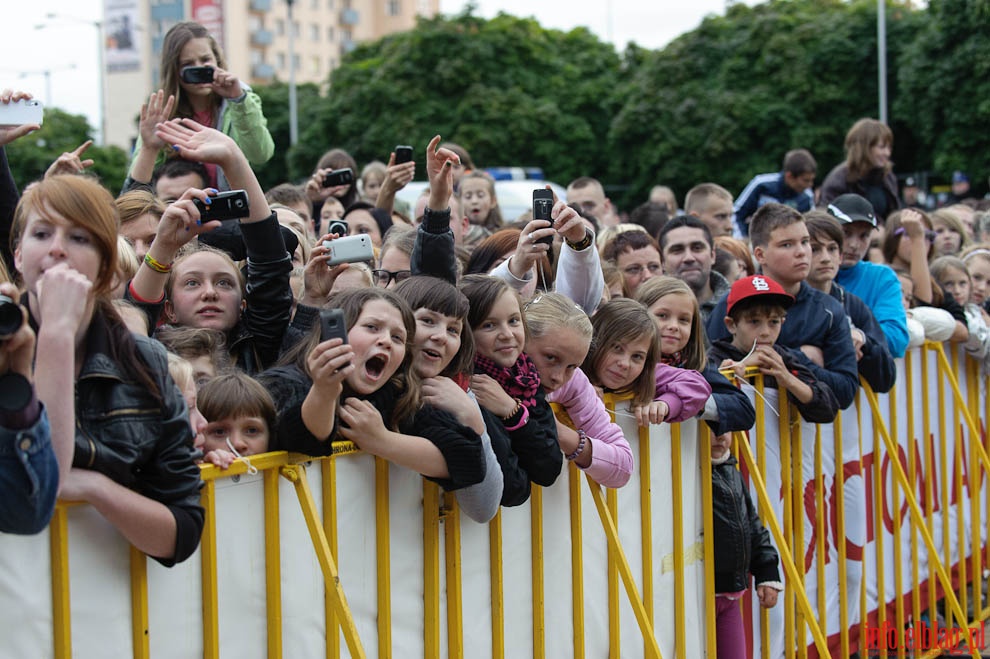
point(123, 432)
point(742, 543)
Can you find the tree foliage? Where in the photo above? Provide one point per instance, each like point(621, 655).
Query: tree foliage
point(508, 90)
point(727, 100)
point(31, 155)
point(275, 103)
point(944, 78)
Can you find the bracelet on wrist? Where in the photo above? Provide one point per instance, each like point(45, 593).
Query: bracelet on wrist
point(584, 243)
point(156, 265)
point(582, 442)
point(514, 412)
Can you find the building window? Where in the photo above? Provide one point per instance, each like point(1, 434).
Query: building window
point(257, 57)
point(314, 32)
point(393, 7)
point(254, 23)
point(280, 60)
point(314, 65)
point(330, 33)
point(295, 62)
point(345, 35)
point(295, 28)
point(330, 4)
point(280, 27)
point(331, 64)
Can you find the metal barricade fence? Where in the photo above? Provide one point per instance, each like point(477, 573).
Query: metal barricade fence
point(867, 542)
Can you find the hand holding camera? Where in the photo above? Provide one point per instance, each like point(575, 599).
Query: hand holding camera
point(16, 335)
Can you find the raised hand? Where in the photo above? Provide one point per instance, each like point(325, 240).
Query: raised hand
point(318, 277)
point(226, 84)
point(329, 364)
point(157, 110)
point(440, 171)
point(193, 141)
point(71, 162)
point(181, 221)
point(528, 250)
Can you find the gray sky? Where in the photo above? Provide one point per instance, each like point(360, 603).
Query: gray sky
point(68, 47)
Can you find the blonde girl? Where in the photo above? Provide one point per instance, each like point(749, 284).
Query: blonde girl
point(977, 260)
point(674, 309)
point(625, 359)
point(951, 273)
point(559, 338)
point(476, 194)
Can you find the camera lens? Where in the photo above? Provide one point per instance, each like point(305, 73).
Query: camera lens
point(239, 203)
point(10, 317)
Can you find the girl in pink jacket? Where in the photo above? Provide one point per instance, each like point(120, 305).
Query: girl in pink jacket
point(626, 360)
point(559, 335)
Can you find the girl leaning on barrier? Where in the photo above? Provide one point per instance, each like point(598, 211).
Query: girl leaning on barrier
point(133, 443)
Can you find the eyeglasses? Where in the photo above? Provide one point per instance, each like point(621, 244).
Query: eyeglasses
point(637, 270)
point(384, 277)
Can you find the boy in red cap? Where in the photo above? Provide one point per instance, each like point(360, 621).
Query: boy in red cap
point(756, 307)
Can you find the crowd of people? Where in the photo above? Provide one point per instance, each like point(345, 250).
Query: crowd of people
point(143, 336)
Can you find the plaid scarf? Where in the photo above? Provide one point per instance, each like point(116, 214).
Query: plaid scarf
point(673, 359)
point(520, 381)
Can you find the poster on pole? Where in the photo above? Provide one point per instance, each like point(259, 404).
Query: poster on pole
point(120, 41)
point(209, 14)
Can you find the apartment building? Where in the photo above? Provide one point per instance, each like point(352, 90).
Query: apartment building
point(259, 38)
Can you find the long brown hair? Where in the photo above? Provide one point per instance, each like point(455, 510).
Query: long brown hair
point(652, 290)
point(175, 40)
point(864, 135)
point(620, 321)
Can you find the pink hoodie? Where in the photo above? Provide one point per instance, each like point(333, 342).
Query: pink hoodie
point(684, 390)
point(611, 458)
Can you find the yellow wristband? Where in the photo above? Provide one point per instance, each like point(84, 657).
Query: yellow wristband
point(157, 266)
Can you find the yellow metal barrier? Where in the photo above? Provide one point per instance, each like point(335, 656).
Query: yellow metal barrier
point(929, 545)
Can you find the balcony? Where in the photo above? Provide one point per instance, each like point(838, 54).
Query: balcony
point(348, 17)
point(262, 71)
point(261, 5)
point(262, 38)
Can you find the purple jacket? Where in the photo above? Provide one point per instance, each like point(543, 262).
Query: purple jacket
point(611, 458)
point(685, 391)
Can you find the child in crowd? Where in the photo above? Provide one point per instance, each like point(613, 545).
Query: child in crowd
point(625, 359)
point(712, 204)
point(366, 391)
point(476, 194)
point(204, 349)
point(952, 275)
point(372, 177)
point(182, 373)
point(757, 307)
point(924, 322)
point(977, 260)
point(443, 358)
point(951, 236)
point(677, 315)
point(224, 103)
point(559, 338)
point(506, 383)
point(320, 195)
point(240, 417)
point(742, 547)
point(817, 324)
point(203, 287)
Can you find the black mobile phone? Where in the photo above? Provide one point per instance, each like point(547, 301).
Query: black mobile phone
point(332, 325)
point(403, 154)
point(195, 75)
point(338, 177)
point(224, 206)
point(542, 205)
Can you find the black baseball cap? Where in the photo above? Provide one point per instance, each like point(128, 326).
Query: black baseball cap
point(850, 208)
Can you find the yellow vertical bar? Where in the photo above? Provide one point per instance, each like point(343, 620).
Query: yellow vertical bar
point(840, 519)
point(677, 489)
point(646, 518)
point(577, 560)
point(61, 611)
point(431, 570)
point(878, 529)
point(705, 467)
point(139, 604)
point(273, 564)
point(976, 479)
point(786, 475)
point(452, 551)
point(797, 511)
point(899, 619)
point(384, 558)
point(944, 483)
point(959, 453)
point(986, 444)
point(765, 512)
point(328, 473)
point(913, 479)
point(495, 566)
point(929, 458)
point(208, 554)
point(820, 530)
point(536, 547)
point(613, 585)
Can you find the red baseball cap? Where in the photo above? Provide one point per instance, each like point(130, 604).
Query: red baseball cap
point(758, 286)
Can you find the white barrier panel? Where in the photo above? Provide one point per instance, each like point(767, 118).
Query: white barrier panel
point(100, 575)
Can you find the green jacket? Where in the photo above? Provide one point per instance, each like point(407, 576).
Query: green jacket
point(245, 123)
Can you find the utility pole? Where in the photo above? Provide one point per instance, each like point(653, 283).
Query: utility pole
point(293, 102)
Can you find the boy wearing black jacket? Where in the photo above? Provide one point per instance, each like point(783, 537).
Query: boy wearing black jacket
point(756, 308)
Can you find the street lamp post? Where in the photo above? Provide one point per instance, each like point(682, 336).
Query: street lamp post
point(47, 73)
point(101, 73)
point(293, 108)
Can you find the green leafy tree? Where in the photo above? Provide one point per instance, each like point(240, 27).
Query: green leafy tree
point(275, 101)
point(727, 100)
point(32, 154)
point(944, 78)
point(508, 90)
